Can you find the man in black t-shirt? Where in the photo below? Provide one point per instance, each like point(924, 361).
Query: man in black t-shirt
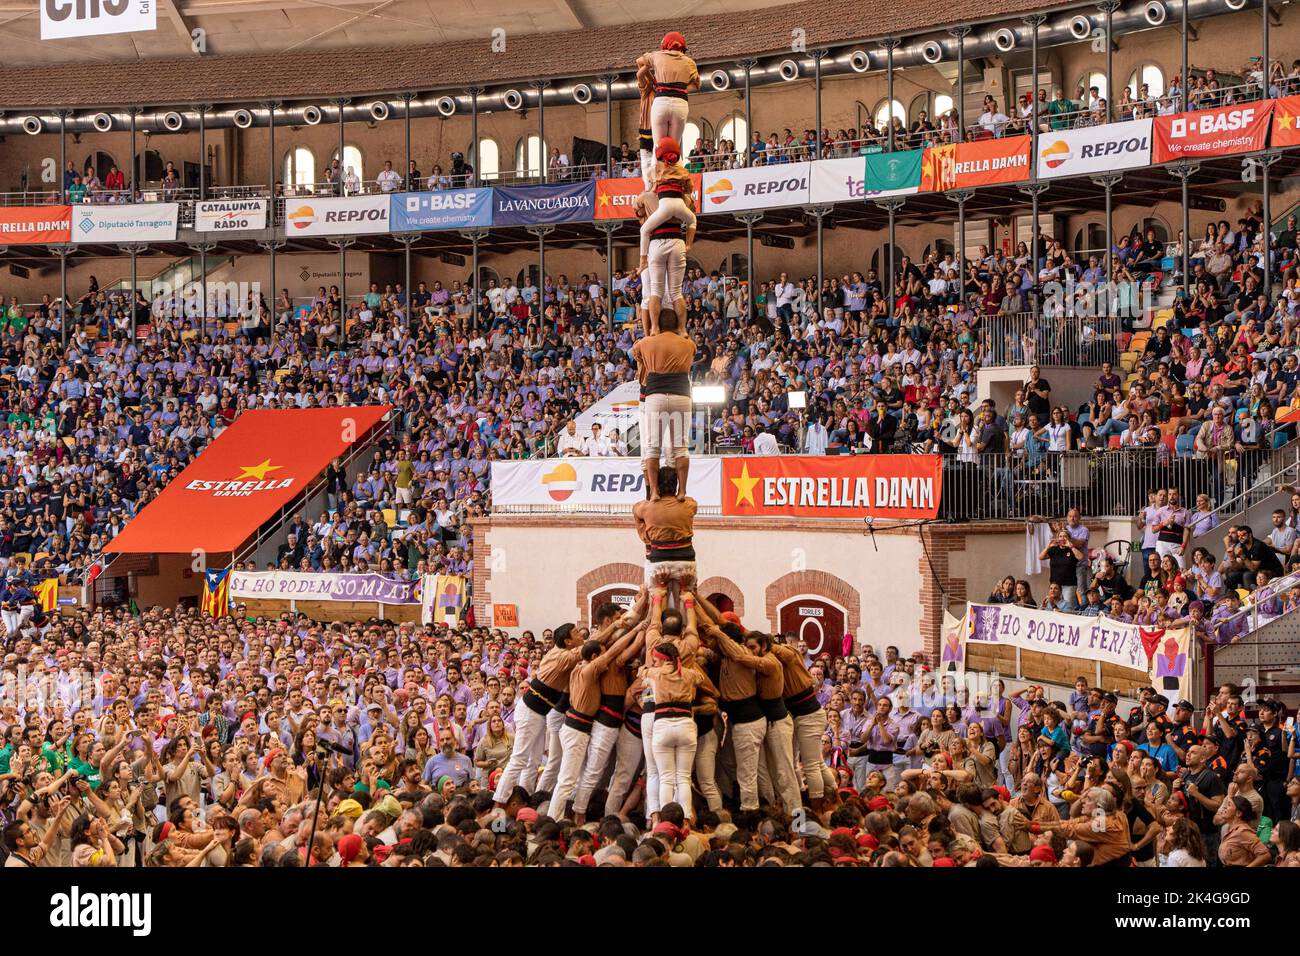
point(1063, 557)
point(1203, 791)
point(1038, 395)
point(1257, 556)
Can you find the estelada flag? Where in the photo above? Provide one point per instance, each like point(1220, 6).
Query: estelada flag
point(215, 601)
point(449, 599)
point(47, 592)
point(1286, 122)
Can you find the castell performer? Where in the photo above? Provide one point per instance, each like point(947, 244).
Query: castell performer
point(673, 75)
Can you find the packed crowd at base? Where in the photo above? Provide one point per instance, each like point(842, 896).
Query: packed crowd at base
point(171, 740)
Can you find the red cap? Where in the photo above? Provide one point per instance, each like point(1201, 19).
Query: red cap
point(878, 803)
point(673, 41)
point(1042, 854)
point(587, 859)
point(944, 861)
point(1003, 792)
point(666, 147)
point(731, 617)
point(869, 841)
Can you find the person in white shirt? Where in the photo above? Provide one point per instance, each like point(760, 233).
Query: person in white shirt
point(570, 445)
point(388, 181)
point(618, 447)
point(993, 120)
point(597, 446)
point(765, 443)
point(815, 438)
point(784, 293)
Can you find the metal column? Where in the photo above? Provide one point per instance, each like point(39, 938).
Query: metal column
point(63, 252)
point(1108, 182)
point(748, 219)
point(891, 43)
point(817, 112)
point(1108, 7)
point(63, 156)
point(891, 207)
point(960, 34)
point(961, 197)
point(203, 151)
point(609, 125)
point(474, 91)
point(341, 102)
point(406, 170)
point(135, 111)
point(544, 156)
point(748, 66)
point(1182, 102)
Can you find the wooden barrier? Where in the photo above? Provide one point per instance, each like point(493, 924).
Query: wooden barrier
point(1053, 668)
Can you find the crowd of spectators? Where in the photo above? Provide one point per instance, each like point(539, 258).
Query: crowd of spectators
point(169, 740)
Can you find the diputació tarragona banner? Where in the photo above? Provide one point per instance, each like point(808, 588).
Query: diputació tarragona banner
point(842, 486)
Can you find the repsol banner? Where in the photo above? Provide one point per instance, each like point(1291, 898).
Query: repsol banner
point(350, 216)
point(763, 187)
point(1094, 149)
point(229, 215)
point(592, 481)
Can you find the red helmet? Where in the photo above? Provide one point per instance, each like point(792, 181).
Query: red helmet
point(668, 149)
point(673, 41)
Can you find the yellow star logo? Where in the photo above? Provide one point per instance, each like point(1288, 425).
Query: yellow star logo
point(1286, 121)
point(602, 199)
point(257, 471)
point(744, 486)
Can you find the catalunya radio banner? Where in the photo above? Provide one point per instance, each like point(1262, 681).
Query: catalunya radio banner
point(134, 222)
point(20, 224)
point(762, 187)
point(539, 205)
point(1070, 635)
point(229, 215)
point(984, 162)
point(1218, 132)
point(838, 486)
point(307, 586)
point(1094, 149)
point(615, 197)
point(592, 481)
point(443, 209)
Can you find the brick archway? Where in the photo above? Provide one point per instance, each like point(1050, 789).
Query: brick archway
point(618, 572)
point(721, 585)
point(821, 583)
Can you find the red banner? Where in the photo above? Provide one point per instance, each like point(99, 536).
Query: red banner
point(20, 224)
point(614, 197)
point(239, 481)
point(1219, 132)
point(1286, 122)
point(840, 486)
point(984, 162)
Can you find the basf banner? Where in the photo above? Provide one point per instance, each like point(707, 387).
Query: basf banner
point(615, 197)
point(229, 215)
point(540, 205)
point(135, 222)
point(1094, 149)
point(444, 209)
point(19, 224)
point(592, 481)
point(348, 216)
point(1221, 132)
point(838, 486)
point(763, 187)
point(64, 19)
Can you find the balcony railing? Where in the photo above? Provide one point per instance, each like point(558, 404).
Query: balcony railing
point(1031, 338)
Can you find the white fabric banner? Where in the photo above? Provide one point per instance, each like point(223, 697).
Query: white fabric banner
point(1094, 149)
point(762, 187)
point(229, 215)
point(593, 481)
point(308, 586)
point(619, 409)
point(132, 222)
point(64, 19)
point(1071, 635)
point(348, 216)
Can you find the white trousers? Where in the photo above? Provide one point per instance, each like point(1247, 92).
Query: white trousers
point(706, 768)
point(648, 168)
point(670, 207)
point(554, 752)
point(1170, 548)
point(627, 761)
point(778, 747)
point(530, 736)
point(573, 750)
point(603, 742)
point(674, 750)
point(808, 731)
point(747, 742)
point(14, 620)
point(668, 116)
point(651, 767)
point(667, 269)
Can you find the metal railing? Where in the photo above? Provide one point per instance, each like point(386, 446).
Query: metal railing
point(1030, 338)
point(1110, 483)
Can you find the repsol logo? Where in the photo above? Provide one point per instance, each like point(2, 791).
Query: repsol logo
point(1115, 147)
point(356, 215)
point(771, 187)
point(617, 482)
